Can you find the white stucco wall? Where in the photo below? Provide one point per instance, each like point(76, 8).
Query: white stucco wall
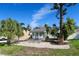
point(74, 36)
point(25, 36)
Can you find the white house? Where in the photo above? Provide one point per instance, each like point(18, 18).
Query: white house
point(75, 35)
point(26, 35)
point(39, 33)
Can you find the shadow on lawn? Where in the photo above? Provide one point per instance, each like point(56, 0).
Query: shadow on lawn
point(55, 41)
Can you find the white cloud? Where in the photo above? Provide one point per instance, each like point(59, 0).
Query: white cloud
point(39, 15)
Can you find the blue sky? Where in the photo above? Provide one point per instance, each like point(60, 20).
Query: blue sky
point(35, 14)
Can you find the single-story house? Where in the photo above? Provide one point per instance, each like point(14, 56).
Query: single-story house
point(39, 33)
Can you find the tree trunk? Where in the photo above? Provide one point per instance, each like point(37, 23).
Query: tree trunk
point(8, 42)
point(61, 36)
point(18, 38)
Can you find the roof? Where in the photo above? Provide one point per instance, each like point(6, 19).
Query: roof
point(77, 30)
point(39, 29)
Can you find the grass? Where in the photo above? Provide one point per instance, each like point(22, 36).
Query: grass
point(75, 43)
point(10, 50)
point(73, 51)
point(24, 51)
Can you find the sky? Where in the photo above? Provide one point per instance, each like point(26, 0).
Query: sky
point(35, 14)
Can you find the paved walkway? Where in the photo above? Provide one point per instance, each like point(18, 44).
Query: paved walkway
point(43, 45)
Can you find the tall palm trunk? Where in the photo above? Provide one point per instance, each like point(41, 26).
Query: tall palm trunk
point(61, 37)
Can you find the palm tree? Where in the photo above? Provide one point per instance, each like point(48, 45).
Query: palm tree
point(54, 30)
point(69, 27)
point(10, 28)
point(70, 23)
point(28, 27)
point(61, 11)
point(19, 30)
point(7, 29)
point(47, 28)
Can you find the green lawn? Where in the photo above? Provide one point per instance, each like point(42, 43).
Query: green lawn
point(10, 50)
point(20, 50)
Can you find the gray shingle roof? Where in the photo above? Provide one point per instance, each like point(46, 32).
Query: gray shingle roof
point(40, 29)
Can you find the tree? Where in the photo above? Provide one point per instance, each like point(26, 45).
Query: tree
point(10, 28)
point(22, 24)
point(69, 27)
point(54, 30)
point(28, 27)
point(19, 31)
point(47, 28)
point(7, 29)
point(61, 11)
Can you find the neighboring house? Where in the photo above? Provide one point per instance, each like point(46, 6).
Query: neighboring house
point(26, 35)
point(75, 35)
point(39, 33)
